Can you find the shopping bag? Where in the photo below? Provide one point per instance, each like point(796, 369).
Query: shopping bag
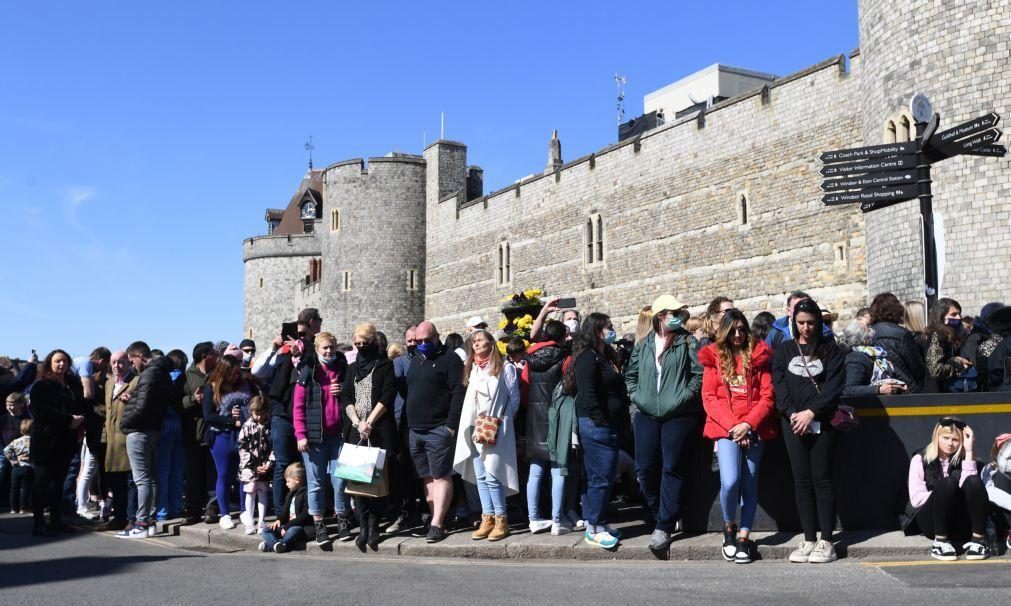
point(379, 487)
point(359, 463)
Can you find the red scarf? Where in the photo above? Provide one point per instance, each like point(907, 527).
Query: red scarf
point(482, 364)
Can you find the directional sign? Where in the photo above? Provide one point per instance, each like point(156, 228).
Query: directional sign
point(987, 137)
point(869, 166)
point(871, 180)
point(877, 194)
point(867, 207)
point(966, 128)
point(996, 151)
point(865, 153)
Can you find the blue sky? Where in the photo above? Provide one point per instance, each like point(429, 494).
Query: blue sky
point(141, 142)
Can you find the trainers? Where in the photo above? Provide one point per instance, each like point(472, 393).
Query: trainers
point(87, 514)
point(823, 553)
point(614, 532)
point(399, 524)
point(343, 529)
point(575, 522)
point(250, 530)
point(246, 519)
point(944, 551)
point(262, 547)
point(560, 528)
point(280, 547)
point(976, 550)
point(322, 535)
point(601, 539)
point(226, 522)
point(422, 529)
point(137, 531)
point(660, 540)
point(729, 546)
point(802, 554)
point(435, 534)
point(152, 529)
point(539, 526)
point(743, 555)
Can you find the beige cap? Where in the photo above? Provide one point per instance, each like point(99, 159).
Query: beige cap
point(665, 303)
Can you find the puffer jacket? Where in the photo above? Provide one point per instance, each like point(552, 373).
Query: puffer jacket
point(317, 412)
point(903, 352)
point(680, 378)
point(755, 409)
point(154, 394)
point(543, 371)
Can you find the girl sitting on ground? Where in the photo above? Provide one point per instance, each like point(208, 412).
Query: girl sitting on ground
point(997, 479)
point(946, 493)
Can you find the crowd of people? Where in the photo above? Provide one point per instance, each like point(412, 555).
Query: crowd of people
point(130, 437)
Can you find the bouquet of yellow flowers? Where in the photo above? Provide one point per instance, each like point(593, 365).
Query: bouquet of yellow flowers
point(524, 298)
point(519, 327)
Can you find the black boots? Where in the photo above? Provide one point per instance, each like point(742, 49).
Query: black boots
point(368, 530)
point(373, 531)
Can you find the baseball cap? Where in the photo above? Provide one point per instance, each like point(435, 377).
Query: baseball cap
point(665, 303)
point(476, 321)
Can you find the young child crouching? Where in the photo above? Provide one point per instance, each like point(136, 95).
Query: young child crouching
point(287, 532)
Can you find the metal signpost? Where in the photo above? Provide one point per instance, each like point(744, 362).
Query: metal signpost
point(879, 176)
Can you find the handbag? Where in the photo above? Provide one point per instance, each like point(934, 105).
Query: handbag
point(486, 427)
point(845, 417)
point(378, 487)
point(359, 463)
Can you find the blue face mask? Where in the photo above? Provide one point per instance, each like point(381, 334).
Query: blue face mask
point(953, 322)
point(673, 322)
point(328, 360)
point(610, 336)
point(427, 348)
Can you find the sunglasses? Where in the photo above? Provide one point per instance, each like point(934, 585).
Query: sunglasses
point(948, 422)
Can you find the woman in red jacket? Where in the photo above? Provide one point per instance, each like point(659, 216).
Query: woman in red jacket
point(738, 399)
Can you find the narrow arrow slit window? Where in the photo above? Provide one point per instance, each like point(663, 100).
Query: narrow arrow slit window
point(346, 281)
point(742, 209)
point(594, 240)
point(504, 270)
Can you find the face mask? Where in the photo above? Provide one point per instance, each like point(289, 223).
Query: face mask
point(673, 322)
point(411, 349)
point(247, 359)
point(610, 336)
point(427, 348)
point(368, 353)
point(328, 360)
point(573, 326)
point(953, 322)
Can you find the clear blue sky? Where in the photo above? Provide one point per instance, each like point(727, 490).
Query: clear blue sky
point(141, 142)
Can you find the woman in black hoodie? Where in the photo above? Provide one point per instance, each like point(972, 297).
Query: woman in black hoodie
point(809, 374)
point(56, 406)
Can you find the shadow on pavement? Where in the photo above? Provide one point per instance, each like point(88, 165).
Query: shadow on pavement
point(21, 574)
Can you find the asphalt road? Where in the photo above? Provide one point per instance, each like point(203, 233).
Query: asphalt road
point(90, 568)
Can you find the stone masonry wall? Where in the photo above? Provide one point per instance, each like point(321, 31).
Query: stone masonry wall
point(381, 238)
point(957, 54)
point(669, 204)
point(280, 262)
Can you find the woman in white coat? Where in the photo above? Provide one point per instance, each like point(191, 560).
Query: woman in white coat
point(493, 391)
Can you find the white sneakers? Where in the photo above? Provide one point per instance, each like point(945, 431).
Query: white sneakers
point(539, 526)
point(821, 552)
point(560, 528)
point(226, 522)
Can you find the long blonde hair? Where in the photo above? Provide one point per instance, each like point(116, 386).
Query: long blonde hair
point(727, 352)
point(495, 361)
point(916, 317)
point(932, 452)
point(645, 323)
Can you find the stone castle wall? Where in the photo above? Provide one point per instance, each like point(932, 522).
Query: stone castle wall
point(381, 238)
point(669, 203)
point(957, 54)
point(274, 267)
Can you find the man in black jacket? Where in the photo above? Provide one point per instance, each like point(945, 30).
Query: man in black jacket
point(195, 451)
point(142, 419)
point(435, 393)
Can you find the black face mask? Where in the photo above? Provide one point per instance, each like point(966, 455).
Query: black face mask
point(412, 349)
point(368, 353)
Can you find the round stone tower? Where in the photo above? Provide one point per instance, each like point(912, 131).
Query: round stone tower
point(956, 53)
point(373, 244)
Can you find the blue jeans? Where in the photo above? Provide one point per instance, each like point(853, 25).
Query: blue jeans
point(739, 483)
point(600, 458)
point(564, 490)
point(141, 447)
point(319, 463)
point(282, 435)
point(490, 490)
point(292, 537)
point(170, 468)
point(659, 446)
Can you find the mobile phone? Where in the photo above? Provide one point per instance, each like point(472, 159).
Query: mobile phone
point(566, 303)
point(289, 330)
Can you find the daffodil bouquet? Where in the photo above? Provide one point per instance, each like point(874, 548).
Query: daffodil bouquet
point(517, 327)
point(526, 298)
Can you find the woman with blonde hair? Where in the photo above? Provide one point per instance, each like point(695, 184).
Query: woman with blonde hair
point(645, 323)
point(492, 391)
point(367, 396)
point(946, 493)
